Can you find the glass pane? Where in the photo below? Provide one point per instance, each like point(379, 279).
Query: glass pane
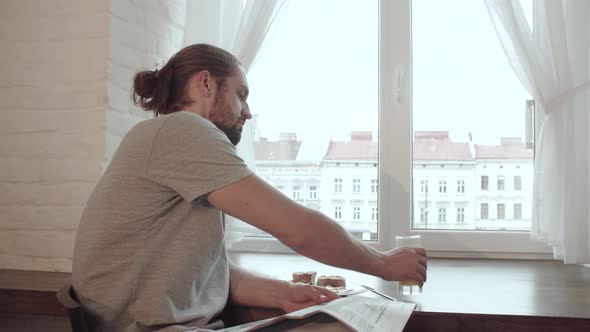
point(468, 123)
point(314, 96)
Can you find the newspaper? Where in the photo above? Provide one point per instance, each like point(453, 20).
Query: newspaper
point(357, 312)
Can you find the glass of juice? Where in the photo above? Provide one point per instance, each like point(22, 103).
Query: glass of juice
point(409, 287)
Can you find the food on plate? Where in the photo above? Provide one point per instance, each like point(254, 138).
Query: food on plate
point(331, 281)
point(305, 277)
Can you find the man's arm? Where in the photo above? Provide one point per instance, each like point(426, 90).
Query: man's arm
point(252, 290)
point(311, 233)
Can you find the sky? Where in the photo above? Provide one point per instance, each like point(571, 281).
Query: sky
point(318, 74)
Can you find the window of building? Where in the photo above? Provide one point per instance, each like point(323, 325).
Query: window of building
point(356, 213)
point(500, 182)
point(374, 186)
point(517, 211)
point(374, 214)
point(442, 186)
point(296, 192)
point(483, 211)
point(460, 186)
point(501, 211)
point(423, 215)
point(423, 186)
point(484, 182)
point(517, 182)
point(338, 212)
point(442, 214)
point(356, 185)
point(313, 192)
point(338, 185)
point(461, 215)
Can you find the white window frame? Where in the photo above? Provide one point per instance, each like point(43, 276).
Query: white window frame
point(395, 161)
point(296, 193)
point(313, 193)
point(461, 186)
point(442, 186)
point(461, 215)
point(519, 177)
point(374, 186)
point(337, 212)
point(501, 183)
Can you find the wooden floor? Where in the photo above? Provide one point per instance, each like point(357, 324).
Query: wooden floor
point(460, 295)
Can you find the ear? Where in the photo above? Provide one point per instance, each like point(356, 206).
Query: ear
point(203, 82)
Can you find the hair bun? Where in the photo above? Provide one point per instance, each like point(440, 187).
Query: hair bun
point(145, 83)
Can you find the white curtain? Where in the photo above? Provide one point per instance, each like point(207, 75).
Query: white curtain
point(552, 61)
point(243, 30)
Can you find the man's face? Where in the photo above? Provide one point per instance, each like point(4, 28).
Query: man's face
point(230, 108)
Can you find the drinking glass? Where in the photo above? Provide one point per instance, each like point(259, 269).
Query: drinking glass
point(409, 287)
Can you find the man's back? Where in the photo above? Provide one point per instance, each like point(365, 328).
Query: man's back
point(148, 253)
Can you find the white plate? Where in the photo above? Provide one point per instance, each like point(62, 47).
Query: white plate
point(347, 291)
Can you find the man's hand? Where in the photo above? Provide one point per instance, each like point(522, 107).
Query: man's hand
point(298, 296)
point(405, 264)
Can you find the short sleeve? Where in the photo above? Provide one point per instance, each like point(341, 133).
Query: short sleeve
point(193, 157)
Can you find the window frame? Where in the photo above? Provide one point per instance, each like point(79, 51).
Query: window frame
point(394, 199)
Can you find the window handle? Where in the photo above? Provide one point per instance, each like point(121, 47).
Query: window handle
point(400, 89)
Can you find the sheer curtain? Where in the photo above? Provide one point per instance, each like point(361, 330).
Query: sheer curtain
point(242, 29)
point(552, 61)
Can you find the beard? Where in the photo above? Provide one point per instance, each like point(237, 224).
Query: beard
point(221, 118)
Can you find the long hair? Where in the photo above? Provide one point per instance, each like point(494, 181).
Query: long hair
point(163, 91)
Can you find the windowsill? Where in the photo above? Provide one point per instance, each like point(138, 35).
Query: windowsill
point(460, 295)
point(464, 286)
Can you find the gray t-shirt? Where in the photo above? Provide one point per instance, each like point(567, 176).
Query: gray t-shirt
point(149, 253)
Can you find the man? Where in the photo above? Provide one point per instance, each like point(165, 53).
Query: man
point(150, 251)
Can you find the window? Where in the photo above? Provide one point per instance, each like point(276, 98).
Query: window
point(337, 185)
point(500, 182)
point(483, 211)
point(423, 215)
point(442, 214)
point(517, 211)
point(338, 212)
point(517, 182)
point(373, 214)
point(440, 75)
point(424, 186)
point(313, 192)
point(484, 182)
point(356, 213)
point(501, 211)
point(442, 186)
point(356, 185)
point(460, 186)
point(461, 215)
point(374, 186)
point(296, 192)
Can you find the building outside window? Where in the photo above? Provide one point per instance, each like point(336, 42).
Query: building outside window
point(484, 211)
point(356, 185)
point(337, 185)
point(500, 182)
point(356, 213)
point(484, 182)
point(313, 192)
point(517, 182)
point(338, 212)
point(460, 186)
point(461, 215)
point(517, 211)
point(442, 186)
point(501, 211)
point(374, 214)
point(442, 214)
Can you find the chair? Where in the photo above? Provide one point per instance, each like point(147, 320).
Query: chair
point(80, 320)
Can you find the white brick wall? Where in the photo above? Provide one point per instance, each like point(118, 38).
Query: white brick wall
point(65, 85)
